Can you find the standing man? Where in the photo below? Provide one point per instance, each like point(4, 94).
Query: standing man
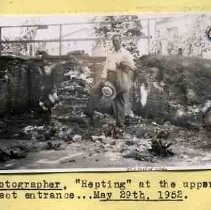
point(118, 68)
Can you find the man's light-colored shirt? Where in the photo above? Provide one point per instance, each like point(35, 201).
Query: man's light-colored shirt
point(115, 58)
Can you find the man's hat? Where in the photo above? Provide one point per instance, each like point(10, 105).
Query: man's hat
point(108, 90)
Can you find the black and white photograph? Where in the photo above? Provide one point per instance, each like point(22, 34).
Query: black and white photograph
point(105, 91)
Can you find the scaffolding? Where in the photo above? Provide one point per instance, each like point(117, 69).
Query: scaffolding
point(62, 37)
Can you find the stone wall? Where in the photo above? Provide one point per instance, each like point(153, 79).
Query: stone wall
point(20, 84)
point(26, 81)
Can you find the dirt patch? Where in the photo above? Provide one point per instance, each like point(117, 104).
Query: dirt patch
point(63, 138)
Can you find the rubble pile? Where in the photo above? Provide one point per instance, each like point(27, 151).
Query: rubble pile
point(7, 153)
point(173, 97)
point(24, 130)
point(68, 113)
point(177, 87)
point(63, 92)
point(71, 125)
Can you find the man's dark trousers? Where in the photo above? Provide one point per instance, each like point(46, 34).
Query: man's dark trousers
point(118, 103)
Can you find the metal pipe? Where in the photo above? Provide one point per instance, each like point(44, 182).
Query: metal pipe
point(57, 40)
point(76, 23)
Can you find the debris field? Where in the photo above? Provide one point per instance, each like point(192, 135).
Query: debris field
point(171, 129)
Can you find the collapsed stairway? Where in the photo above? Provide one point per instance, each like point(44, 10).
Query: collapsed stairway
point(73, 96)
point(68, 114)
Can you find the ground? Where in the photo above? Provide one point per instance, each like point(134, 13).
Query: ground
point(64, 139)
point(109, 152)
point(68, 142)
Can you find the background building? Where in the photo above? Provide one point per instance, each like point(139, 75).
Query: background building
point(184, 34)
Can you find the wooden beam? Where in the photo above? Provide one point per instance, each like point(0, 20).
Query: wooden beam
point(148, 35)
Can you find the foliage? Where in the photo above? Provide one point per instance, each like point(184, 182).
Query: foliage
point(129, 27)
point(192, 42)
point(26, 33)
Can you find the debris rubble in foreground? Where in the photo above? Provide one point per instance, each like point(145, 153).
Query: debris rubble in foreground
point(144, 138)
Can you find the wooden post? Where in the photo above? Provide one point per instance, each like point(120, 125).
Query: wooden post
point(148, 35)
point(60, 40)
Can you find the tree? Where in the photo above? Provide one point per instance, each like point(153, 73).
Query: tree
point(129, 26)
point(26, 33)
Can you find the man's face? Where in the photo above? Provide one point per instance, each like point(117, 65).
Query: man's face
point(116, 42)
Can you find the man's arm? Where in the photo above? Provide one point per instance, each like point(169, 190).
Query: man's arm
point(125, 67)
point(127, 63)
